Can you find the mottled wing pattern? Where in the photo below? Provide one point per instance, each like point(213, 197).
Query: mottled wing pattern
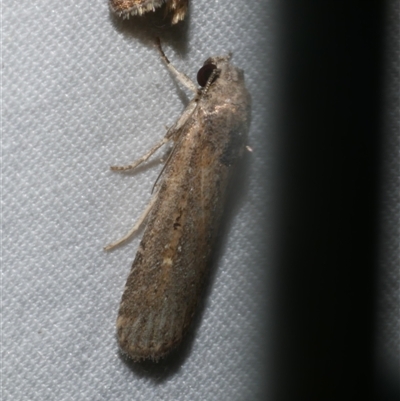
point(178, 9)
point(126, 8)
point(168, 272)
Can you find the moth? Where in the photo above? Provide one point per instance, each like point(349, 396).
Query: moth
point(184, 213)
point(126, 8)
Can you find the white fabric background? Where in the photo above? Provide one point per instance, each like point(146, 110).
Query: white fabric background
point(82, 91)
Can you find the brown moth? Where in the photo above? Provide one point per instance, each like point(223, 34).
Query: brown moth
point(184, 214)
point(126, 8)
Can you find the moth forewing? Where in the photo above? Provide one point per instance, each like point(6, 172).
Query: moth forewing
point(126, 8)
point(167, 275)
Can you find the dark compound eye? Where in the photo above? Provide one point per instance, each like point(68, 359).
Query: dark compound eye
point(205, 73)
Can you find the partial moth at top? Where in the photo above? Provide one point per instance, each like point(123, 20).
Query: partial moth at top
point(126, 8)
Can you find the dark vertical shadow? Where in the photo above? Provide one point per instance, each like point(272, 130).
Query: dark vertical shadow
point(329, 102)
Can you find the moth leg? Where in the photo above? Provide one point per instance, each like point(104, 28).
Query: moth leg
point(136, 227)
point(180, 76)
point(173, 134)
point(158, 145)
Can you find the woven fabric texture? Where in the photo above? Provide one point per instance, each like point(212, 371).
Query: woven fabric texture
point(81, 91)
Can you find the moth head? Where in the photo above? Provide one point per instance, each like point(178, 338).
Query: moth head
point(224, 68)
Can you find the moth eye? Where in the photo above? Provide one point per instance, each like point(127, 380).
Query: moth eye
point(204, 73)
